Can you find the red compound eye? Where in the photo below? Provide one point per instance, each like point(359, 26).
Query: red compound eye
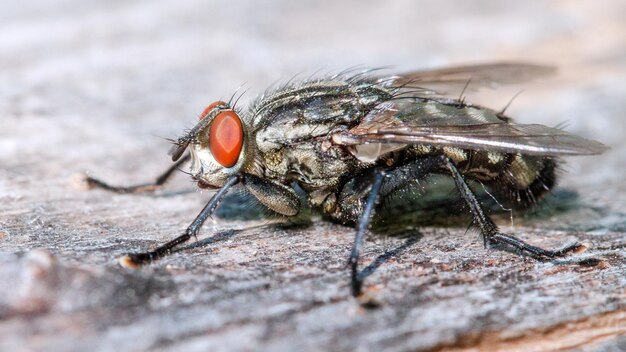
point(208, 109)
point(226, 137)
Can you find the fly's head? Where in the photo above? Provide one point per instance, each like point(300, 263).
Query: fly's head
point(218, 145)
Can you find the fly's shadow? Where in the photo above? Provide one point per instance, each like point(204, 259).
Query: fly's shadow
point(220, 236)
point(436, 203)
point(381, 259)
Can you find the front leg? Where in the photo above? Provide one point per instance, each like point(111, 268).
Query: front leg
point(134, 260)
point(140, 188)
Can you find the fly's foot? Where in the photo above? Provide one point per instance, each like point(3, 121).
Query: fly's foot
point(357, 288)
point(365, 299)
point(89, 183)
point(368, 301)
point(83, 182)
point(135, 260)
point(575, 248)
point(513, 244)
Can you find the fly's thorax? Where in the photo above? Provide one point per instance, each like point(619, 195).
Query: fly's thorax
point(293, 129)
point(340, 100)
point(295, 149)
point(313, 163)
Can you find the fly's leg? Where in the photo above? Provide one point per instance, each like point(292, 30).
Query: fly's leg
point(362, 226)
point(349, 204)
point(134, 260)
point(491, 234)
point(141, 188)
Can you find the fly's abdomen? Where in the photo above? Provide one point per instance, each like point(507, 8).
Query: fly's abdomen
point(522, 179)
point(527, 179)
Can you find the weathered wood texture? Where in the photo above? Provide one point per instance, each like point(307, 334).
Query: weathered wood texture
point(86, 86)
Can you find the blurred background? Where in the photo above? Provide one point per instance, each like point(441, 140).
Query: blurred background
point(96, 86)
point(103, 78)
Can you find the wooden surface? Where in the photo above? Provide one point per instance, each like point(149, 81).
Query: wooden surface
point(94, 86)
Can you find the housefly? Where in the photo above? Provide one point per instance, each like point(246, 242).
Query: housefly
point(352, 139)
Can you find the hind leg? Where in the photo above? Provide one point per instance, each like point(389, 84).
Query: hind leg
point(492, 236)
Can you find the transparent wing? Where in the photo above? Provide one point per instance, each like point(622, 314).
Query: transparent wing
point(454, 79)
point(439, 123)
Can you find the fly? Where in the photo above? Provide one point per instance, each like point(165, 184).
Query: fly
point(351, 140)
